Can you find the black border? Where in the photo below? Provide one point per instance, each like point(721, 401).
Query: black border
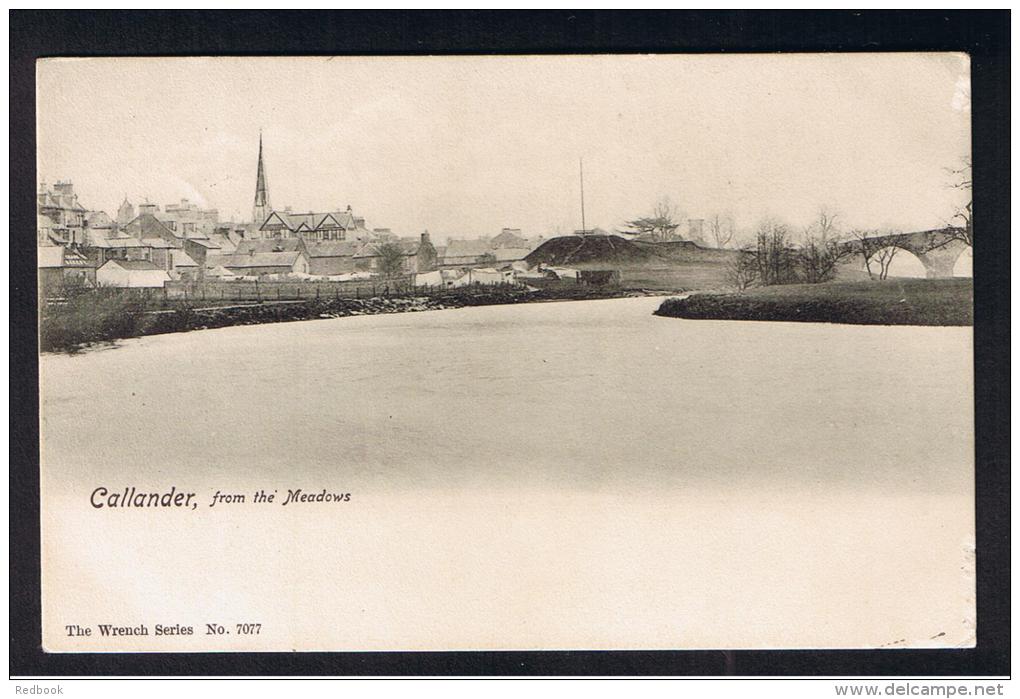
point(982, 34)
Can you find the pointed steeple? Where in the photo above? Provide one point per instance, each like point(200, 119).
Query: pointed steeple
point(261, 209)
point(126, 212)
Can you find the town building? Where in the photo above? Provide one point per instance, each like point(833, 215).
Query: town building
point(696, 230)
point(99, 226)
point(468, 253)
point(332, 258)
point(59, 266)
point(257, 264)
point(323, 226)
point(131, 274)
point(246, 247)
point(227, 239)
point(196, 248)
point(235, 231)
point(511, 257)
point(509, 238)
point(126, 212)
point(418, 255)
point(188, 220)
point(184, 267)
point(61, 218)
point(154, 250)
point(509, 248)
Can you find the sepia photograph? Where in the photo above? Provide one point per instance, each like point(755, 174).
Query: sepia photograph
point(506, 352)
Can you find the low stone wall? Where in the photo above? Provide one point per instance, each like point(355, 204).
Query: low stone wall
point(220, 293)
point(281, 290)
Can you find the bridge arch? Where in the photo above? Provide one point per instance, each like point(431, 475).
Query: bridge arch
point(964, 266)
point(937, 250)
point(897, 261)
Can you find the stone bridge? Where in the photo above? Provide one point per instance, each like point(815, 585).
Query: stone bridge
point(938, 250)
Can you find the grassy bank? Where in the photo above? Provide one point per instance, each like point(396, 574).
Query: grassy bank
point(890, 302)
point(103, 316)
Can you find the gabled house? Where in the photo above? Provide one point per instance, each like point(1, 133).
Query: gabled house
point(146, 225)
point(324, 226)
point(510, 238)
point(468, 253)
point(331, 258)
point(59, 266)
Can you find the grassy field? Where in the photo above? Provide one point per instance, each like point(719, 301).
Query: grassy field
point(679, 278)
point(675, 278)
point(890, 302)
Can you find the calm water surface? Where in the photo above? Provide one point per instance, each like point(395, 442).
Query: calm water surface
point(546, 463)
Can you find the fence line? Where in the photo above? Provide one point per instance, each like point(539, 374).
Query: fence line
point(175, 294)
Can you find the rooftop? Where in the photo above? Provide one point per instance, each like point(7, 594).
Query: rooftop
point(261, 259)
point(135, 265)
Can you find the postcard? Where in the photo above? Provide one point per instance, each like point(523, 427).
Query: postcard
point(531, 352)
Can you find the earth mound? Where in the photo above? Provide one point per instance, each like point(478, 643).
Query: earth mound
point(592, 252)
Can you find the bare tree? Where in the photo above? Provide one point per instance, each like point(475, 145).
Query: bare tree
point(962, 180)
point(774, 254)
point(721, 228)
point(884, 257)
point(819, 256)
point(742, 269)
point(823, 248)
point(874, 247)
point(825, 223)
point(661, 226)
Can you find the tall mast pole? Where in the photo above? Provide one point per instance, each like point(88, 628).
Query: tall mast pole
point(584, 229)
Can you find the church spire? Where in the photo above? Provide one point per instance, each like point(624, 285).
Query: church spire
point(261, 209)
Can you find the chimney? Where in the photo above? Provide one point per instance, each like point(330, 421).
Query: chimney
point(696, 229)
point(425, 237)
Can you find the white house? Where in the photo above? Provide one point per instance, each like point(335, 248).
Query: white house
point(131, 273)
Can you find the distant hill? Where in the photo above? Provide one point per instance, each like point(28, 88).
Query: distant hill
point(592, 252)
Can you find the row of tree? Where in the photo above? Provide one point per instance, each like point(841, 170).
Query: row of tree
point(665, 221)
point(775, 258)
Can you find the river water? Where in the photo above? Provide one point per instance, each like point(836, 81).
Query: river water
point(559, 475)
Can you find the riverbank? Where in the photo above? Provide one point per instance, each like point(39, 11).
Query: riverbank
point(93, 319)
point(945, 302)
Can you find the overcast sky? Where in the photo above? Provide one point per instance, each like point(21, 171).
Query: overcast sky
point(464, 146)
